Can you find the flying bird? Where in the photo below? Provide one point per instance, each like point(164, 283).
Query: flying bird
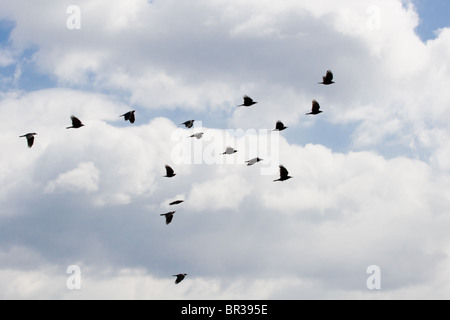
point(279, 126)
point(253, 161)
point(180, 277)
point(129, 116)
point(30, 138)
point(189, 123)
point(315, 109)
point(176, 202)
point(76, 123)
point(247, 102)
point(328, 78)
point(284, 174)
point(230, 150)
point(169, 172)
point(197, 135)
point(169, 216)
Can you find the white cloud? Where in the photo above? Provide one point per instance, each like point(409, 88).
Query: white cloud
point(84, 178)
point(219, 193)
point(311, 236)
point(6, 58)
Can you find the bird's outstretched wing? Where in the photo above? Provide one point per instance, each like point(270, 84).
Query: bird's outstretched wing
point(30, 140)
point(283, 172)
point(169, 170)
point(247, 100)
point(279, 125)
point(129, 116)
point(168, 216)
point(328, 77)
point(132, 117)
point(229, 150)
point(179, 278)
point(189, 123)
point(315, 106)
point(75, 121)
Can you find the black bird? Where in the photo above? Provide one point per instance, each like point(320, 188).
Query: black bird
point(30, 138)
point(247, 102)
point(197, 135)
point(315, 109)
point(328, 78)
point(169, 216)
point(176, 202)
point(279, 126)
point(76, 123)
point(253, 161)
point(180, 277)
point(229, 150)
point(169, 172)
point(129, 116)
point(284, 174)
point(189, 123)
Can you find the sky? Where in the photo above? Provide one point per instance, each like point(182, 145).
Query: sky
point(365, 215)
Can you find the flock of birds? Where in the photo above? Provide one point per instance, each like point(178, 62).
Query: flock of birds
point(279, 126)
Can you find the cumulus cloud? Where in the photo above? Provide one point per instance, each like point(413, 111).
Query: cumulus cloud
point(6, 58)
point(84, 178)
point(379, 200)
point(219, 194)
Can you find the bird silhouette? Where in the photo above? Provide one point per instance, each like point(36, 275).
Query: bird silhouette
point(229, 150)
point(176, 202)
point(253, 161)
point(169, 172)
point(180, 277)
point(76, 123)
point(279, 126)
point(189, 123)
point(129, 116)
point(169, 216)
point(197, 135)
point(284, 174)
point(247, 102)
point(30, 138)
point(328, 78)
point(315, 109)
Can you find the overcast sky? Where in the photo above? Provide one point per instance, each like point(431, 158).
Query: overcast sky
point(371, 173)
